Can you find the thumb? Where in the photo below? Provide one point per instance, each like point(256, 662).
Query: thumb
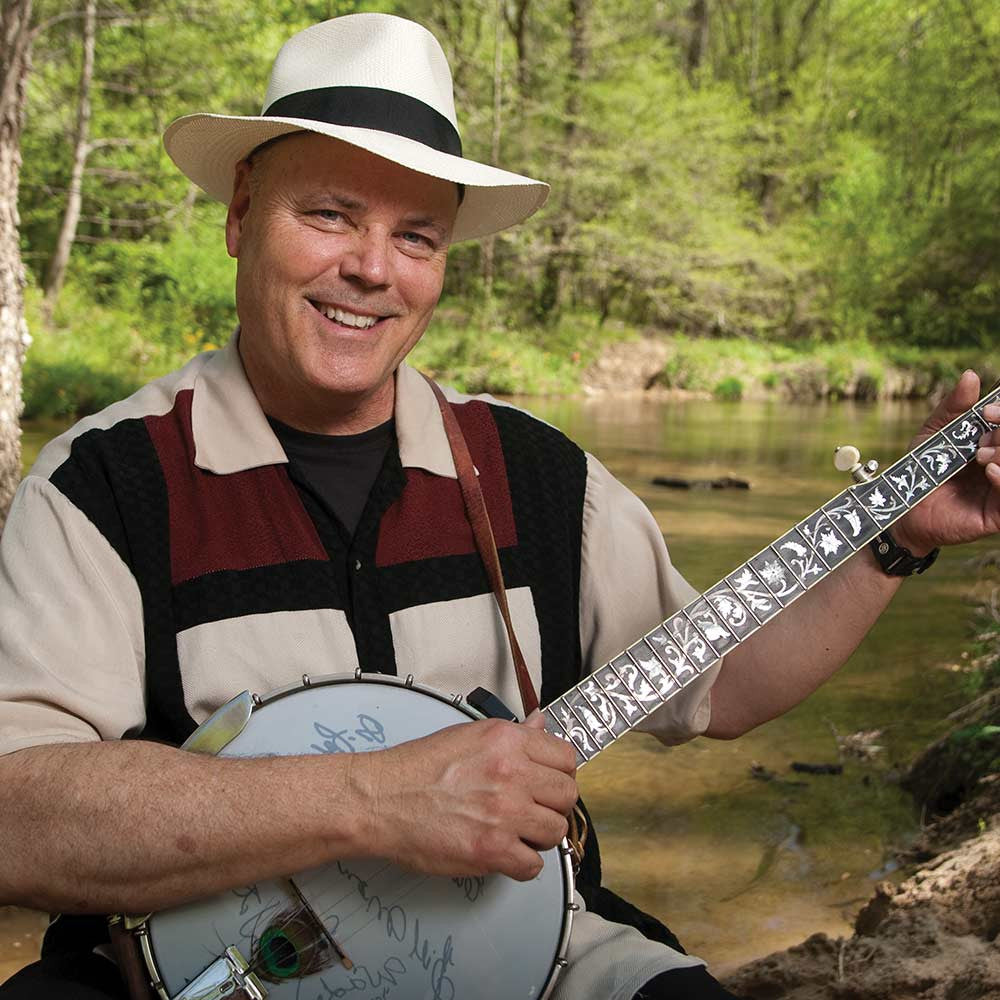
point(961, 398)
point(536, 720)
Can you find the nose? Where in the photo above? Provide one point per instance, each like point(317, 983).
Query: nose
point(366, 260)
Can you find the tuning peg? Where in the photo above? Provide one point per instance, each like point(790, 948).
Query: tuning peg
point(847, 458)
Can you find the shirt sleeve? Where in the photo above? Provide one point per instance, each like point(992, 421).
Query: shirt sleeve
point(71, 637)
point(629, 586)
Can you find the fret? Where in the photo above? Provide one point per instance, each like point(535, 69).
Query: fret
point(671, 654)
point(643, 657)
point(851, 519)
point(909, 479)
point(879, 500)
point(604, 707)
point(754, 594)
point(555, 727)
point(624, 683)
point(690, 638)
point(769, 566)
point(695, 646)
point(711, 626)
point(939, 458)
point(586, 746)
point(738, 617)
point(826, 538)
point(599, 732)
point(801, 558)
point(965, 434)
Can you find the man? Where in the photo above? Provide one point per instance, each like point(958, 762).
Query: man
point(288, 505)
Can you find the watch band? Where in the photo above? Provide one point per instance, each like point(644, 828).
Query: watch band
point(896, 559)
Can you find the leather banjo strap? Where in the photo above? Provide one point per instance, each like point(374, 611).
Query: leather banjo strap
point(479, 518)
point(482, 530)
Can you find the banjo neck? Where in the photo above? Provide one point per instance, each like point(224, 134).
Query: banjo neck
point(621, 694)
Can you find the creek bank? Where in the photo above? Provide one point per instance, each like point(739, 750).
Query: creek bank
point(731, 369)
point(932, 937)
point(936, 935)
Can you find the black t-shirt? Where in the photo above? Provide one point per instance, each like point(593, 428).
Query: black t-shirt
point(340, 468)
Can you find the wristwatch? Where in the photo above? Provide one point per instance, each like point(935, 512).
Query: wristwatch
point(896, 559)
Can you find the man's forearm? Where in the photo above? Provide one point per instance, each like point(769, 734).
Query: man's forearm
point(134, 827)
point(796, 652)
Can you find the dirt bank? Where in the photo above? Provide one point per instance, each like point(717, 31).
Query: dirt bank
point(932, 937)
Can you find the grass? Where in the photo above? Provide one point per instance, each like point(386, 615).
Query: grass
point(735, 368)
point(94, 354)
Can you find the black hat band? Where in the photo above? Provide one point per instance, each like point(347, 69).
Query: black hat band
point(372, 107)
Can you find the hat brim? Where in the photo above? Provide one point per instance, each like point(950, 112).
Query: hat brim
point(206, 148)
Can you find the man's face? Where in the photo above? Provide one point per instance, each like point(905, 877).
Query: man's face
point(341, 262)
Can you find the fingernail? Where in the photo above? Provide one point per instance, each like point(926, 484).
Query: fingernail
point(984, 455)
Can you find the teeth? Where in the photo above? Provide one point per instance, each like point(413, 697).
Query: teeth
point(348, 319)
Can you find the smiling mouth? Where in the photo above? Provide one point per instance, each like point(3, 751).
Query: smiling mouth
point(354, 321)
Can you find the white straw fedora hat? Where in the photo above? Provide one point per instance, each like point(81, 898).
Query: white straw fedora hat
point(378, 82)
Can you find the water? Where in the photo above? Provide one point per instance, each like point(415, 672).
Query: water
point(739, 867)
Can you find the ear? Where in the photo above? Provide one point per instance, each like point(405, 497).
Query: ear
point(239, 205)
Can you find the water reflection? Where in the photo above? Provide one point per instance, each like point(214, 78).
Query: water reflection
point(737, 866)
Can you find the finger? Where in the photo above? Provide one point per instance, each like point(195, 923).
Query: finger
point(553, 789)
point(521, 862)
point(542, 828)
point(960, 399)
point(993, 474)
point(550, 751)
point(536, 720)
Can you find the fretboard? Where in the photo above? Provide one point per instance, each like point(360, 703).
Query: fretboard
point(618, 696)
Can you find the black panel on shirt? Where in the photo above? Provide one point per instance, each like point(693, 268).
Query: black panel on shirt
point(305, 585)
point(114, 477)
point(547, 474)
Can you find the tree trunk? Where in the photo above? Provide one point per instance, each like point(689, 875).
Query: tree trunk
point(489, 244)
point(517, 23)
point(81, 150)
point(698, 40)
point(555, 279)
point(15, 63)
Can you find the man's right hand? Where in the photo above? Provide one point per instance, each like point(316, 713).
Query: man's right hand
point(471, 799)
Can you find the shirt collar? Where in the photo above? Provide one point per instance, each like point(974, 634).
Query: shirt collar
point(231, 432)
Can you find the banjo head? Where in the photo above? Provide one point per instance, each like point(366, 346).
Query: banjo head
point(406, 936)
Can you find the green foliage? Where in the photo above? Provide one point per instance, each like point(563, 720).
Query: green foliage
point(849, 369)
point(809, 173)
point(488, 358)
point(729, 389)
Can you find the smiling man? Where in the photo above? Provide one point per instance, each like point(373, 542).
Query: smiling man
point(290, 506)
point(341, 263)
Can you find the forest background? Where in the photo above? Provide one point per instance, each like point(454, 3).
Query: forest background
point(752, 180)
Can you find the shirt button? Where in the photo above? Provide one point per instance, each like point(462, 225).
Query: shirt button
point(357, 564)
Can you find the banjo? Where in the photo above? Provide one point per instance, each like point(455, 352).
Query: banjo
point(366, 929)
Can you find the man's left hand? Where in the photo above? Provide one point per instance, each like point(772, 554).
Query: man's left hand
point(967, 507)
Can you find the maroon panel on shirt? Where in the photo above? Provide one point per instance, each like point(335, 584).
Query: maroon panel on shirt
point(243, 520)
point(429, 519)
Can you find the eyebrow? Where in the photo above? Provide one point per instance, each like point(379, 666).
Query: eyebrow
point(425, 222)
point(357, 205)
point(342, 200)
